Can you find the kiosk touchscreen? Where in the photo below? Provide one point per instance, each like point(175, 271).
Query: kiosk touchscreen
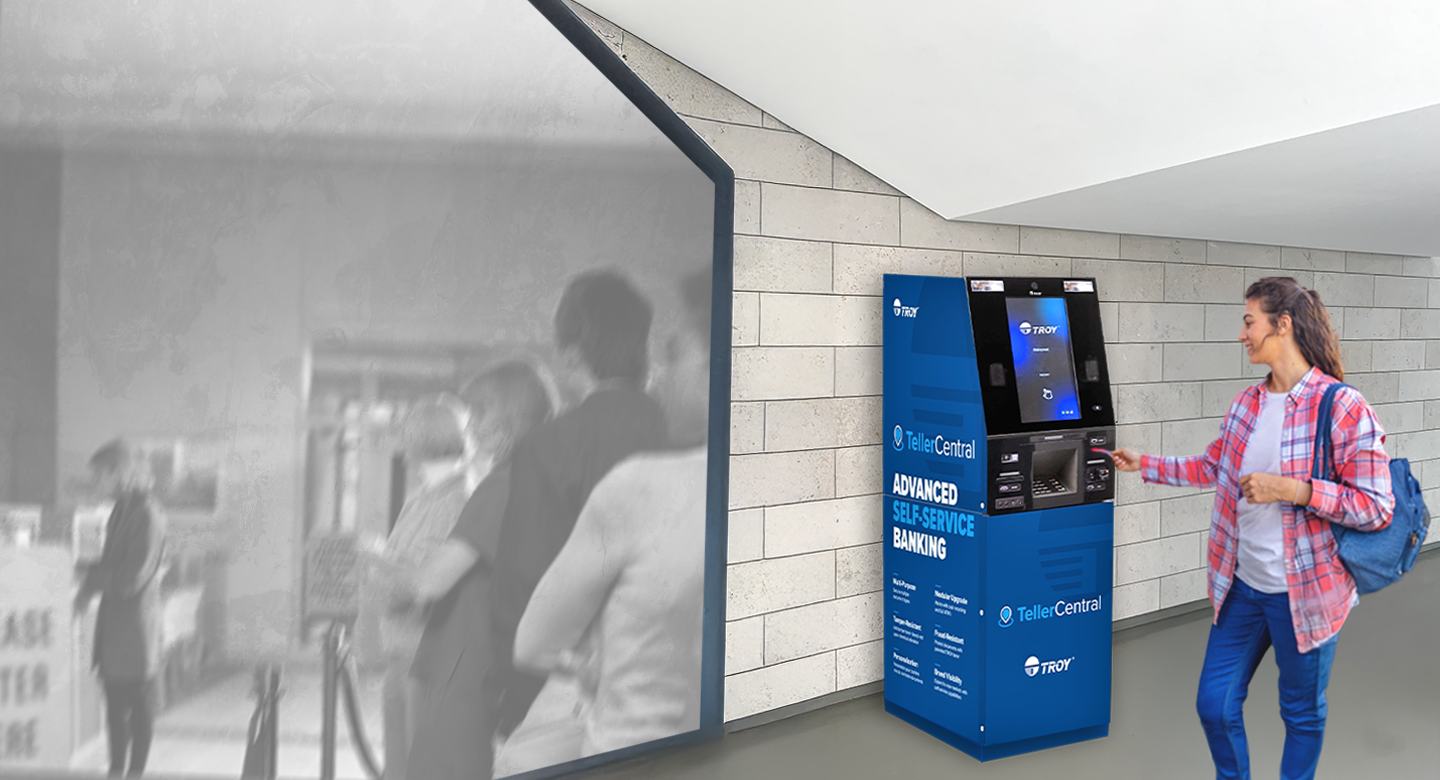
point(998, 517)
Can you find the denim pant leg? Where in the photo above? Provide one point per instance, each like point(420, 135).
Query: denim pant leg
point(1238, 641)
point(1303, 679)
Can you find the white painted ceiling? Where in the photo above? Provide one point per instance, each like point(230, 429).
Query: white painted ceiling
point(1306, 123)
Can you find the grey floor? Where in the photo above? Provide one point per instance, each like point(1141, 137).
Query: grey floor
point(1384, 715)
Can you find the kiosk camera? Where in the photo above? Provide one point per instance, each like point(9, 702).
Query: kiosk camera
point(999, 529)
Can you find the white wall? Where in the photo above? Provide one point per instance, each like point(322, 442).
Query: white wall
point(814, 234)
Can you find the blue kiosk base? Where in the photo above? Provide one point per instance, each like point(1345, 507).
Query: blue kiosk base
point(1005, 750)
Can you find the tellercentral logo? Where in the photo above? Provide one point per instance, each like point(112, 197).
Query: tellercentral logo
point(1060, 609)
point(901, 310)
point(928, 444)
point(1039, 330)
point(1034, 666)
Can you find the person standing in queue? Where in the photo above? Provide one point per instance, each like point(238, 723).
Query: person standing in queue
point(1275, 576)
point(435, 440)
point(127, 623)
point(634, 567)
point(602, 329)
point(455, 713)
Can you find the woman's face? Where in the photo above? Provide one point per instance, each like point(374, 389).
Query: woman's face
point(1261, 339)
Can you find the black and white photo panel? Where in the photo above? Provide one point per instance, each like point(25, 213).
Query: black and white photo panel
point(359, 389)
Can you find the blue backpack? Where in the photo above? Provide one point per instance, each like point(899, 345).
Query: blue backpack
point(1374, 558)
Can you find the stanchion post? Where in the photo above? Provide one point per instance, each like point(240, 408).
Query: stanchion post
point(273, 722)
point(331, 671)
point(262, 750)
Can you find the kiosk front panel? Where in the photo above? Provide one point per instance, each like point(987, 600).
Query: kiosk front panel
point(1047, 601)
point(998, 523)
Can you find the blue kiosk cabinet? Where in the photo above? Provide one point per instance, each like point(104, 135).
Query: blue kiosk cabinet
point(999, 521)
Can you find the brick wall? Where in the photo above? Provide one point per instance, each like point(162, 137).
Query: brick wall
point(814, 233)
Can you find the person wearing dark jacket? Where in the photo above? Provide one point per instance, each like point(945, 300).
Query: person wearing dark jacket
point(602, 323)
point(127, 623)
point(455, 712)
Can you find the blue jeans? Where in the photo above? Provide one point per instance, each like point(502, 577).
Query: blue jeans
point(1250, 623)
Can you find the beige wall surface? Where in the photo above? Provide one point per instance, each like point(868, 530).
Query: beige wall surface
point(813, 235)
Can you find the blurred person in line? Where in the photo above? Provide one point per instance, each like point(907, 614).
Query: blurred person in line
point(602, 329)
point(1276, 578)
point(436, 441)
point(127, 623)
point(490, 397)
point(633, 570)
point(455, 712)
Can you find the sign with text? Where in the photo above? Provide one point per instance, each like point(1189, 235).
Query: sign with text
point(35, 656)
point(332, 577)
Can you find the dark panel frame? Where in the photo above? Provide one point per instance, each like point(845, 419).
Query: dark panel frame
point(712, 702)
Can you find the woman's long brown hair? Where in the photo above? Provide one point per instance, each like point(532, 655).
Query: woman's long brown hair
point(1281, 295)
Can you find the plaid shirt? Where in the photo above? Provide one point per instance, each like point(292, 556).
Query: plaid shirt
point(1321, 590)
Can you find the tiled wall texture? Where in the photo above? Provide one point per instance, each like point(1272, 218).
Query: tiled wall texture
point(813, 235)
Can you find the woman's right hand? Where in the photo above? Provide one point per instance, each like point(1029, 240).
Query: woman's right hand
point(1125, 459)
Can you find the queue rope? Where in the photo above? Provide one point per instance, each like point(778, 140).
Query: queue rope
point(347, 671)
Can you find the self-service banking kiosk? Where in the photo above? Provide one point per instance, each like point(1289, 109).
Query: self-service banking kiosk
point(999, 526)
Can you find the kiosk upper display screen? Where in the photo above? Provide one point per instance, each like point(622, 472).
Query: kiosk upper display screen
point(1044, 368)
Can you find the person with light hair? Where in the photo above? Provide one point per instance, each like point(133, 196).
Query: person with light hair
point(435, 439)
point(127, 624)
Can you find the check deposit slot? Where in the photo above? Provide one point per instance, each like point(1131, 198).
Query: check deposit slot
point(998, 517)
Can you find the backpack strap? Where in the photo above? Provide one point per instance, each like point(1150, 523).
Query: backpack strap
point(1322, 464)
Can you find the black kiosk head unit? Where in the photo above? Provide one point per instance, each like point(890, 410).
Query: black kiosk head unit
point(1046, 391)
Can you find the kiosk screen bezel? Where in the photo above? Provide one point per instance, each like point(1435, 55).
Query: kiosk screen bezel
point(990, 322)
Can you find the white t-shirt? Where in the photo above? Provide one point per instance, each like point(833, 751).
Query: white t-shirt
point(1260, 559)
point(648, 515)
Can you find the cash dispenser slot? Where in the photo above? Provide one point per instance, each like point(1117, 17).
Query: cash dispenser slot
point(1055, 472)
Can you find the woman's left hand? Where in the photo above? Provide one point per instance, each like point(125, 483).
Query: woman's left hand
point(1261, 488)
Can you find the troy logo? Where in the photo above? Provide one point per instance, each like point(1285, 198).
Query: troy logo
point(1026, 329)
point(1034, 666)
point(900, 310)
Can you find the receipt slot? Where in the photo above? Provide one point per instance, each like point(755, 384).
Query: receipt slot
point(998, 513)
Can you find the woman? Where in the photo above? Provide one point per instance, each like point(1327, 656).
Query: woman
point(1275, 576)
point(127, 625)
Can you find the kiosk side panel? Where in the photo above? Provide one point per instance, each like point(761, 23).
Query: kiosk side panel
point(934, 491)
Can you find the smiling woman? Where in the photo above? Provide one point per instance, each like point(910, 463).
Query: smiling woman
point(253, 239)
point(1276, 578)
